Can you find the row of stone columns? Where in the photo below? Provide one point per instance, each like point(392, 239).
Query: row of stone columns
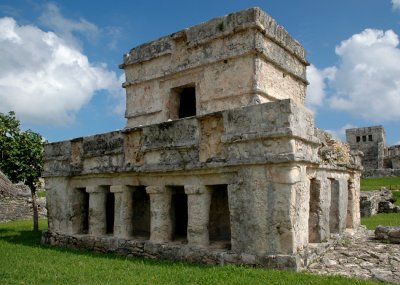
point(332, 207)
point(161, 224)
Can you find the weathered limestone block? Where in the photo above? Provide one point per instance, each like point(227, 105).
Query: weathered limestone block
point(378, 201)
point(211, 147)
point(199, 200)
point(353, 210)
point(160, 205)
point(57, 189)
point(389, 234)
point(338, 209)
point(123, 210)
point(97, 210)
point(133, 143)
point(248, 205)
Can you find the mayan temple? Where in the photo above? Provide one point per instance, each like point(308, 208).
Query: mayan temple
point(219, 161)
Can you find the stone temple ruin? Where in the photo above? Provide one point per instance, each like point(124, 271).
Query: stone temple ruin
point(379, 159)
point(219, 163)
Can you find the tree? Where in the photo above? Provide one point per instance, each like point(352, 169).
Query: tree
point(21, 156)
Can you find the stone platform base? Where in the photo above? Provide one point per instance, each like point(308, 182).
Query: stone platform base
point(170, 251)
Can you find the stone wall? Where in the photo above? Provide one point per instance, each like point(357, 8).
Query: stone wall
point(378, 201)
point(16, 201)
point(263, 159)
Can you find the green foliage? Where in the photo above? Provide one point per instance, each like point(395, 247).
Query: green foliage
point(391, 182)
point(21, 152)
point(24, 261)
point(383, 219)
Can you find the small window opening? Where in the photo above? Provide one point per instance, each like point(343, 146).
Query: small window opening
point(364, 138)
point(358, 138)
point(187, 102)
point(370, 138)
point(179, 213)
point(110, 204)
point(141, 212)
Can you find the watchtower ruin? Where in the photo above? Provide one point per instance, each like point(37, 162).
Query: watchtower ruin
point(219, 162)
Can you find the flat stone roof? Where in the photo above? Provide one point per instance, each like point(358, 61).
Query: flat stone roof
point(217, 28)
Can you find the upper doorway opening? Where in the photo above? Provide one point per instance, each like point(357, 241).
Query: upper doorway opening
point(182, 102)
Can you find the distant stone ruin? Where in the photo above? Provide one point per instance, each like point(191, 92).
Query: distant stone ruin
point(379, 159)
point(16, 201)
point(219, 163)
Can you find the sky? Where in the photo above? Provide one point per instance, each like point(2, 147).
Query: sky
point(59, 59)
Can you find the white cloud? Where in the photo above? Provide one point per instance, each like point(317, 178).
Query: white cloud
point(44, 78)
point(396, 4)
point(341, 133)
point(65, 28)
point(316, 90)
point(367, 80)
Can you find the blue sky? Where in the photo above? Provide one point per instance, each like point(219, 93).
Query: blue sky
point(59, 64)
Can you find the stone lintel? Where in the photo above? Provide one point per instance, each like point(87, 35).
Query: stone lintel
point(121, 188)
point(285, 174)
point(96, 189)
point(155, 189)
point(195, 189)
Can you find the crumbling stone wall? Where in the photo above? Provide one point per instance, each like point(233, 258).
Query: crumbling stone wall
point(371, 141)
point(16, 202)
point(378, 158)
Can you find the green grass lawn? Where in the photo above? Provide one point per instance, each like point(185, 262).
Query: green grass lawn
point(383, 219)
point(392, 182)
point(24, 261)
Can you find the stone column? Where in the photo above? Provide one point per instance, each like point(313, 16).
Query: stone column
point(353, 207)
point(199, 200)
point(97, 210)
point(287, 226)
point(123, 210)
point(160, 218)
point(338, 210)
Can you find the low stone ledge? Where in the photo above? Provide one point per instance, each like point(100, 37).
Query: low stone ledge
point(389, 234)
point(170, 251)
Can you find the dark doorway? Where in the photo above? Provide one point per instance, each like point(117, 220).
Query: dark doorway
point(334, 225)
point(219, 224)
point(141, 212)
point(179, 212)
point(315, 211)
point(187, 102)
point(110, 209)
point(81, 209)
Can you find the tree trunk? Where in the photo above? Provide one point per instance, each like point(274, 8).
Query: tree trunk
point(35, 211)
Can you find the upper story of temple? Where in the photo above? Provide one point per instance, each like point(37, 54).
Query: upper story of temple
point(237, 60)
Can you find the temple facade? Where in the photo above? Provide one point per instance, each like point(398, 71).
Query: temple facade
point(219, 163)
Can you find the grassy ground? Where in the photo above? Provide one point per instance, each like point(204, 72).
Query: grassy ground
point(392, 183)
point(392, 219)
point(24, 261)
point(384, 219)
